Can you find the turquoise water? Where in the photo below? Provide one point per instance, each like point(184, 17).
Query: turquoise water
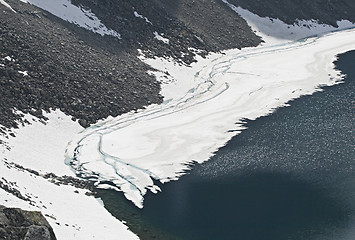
point(290, 175)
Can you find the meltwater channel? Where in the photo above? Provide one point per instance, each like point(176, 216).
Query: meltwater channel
point(290, 175)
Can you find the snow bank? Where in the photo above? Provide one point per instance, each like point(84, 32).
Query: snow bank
point(41, 147)
point(202, 104)
point(65, 10)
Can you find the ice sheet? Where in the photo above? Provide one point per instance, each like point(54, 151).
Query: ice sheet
point(212, 97)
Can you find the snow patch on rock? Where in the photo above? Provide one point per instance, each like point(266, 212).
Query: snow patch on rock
point(137, 15)
point(65, 10)
point(274, 30)
point(161, 38)
point(7, 5)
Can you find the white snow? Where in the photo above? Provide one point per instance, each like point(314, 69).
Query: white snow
point(30, 141)
point(8, 58)
point(7, 5)
point(161, 38)
point(202, 103)
point(42, 147)
point(65, 10)
point(24, 73)
point(137, 15)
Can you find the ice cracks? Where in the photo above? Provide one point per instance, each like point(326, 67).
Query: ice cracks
point(127, 152)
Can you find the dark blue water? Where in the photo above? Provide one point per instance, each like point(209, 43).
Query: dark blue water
point(290, 175)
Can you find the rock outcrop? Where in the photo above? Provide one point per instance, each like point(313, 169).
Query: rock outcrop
point(17, 224)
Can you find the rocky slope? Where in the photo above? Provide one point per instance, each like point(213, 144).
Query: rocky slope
point(91, 77)
point(66, 71)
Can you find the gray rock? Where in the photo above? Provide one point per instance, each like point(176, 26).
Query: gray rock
point(38, 232)
point(17, 224)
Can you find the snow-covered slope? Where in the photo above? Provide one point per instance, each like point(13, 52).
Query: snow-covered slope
point(38, 149)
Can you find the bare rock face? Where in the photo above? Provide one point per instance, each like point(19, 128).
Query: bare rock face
point(27, 225)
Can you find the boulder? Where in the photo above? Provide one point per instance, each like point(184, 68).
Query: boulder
point(16, 224)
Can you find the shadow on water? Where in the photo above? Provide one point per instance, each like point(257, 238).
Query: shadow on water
point(122, 209)
point(256, 206)
point(259, 205)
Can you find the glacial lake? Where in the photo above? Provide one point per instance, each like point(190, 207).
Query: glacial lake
point(290, 175)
